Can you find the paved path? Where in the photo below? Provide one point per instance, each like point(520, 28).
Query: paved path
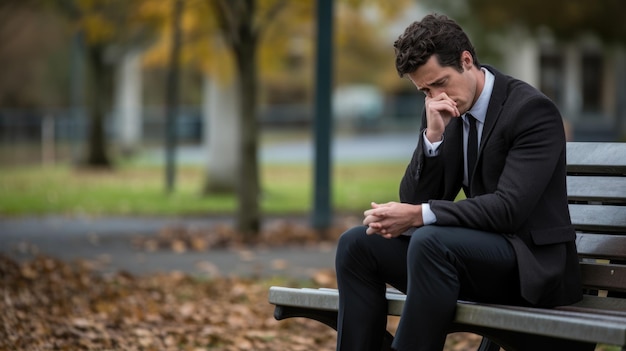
point(108, 243)
point(346, 148)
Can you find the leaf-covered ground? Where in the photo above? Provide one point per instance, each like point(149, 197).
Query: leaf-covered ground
point(48, 304)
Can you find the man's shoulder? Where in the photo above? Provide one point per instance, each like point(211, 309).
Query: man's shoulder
point(507, 86)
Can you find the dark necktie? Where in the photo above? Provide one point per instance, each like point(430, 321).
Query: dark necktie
point(472, 147)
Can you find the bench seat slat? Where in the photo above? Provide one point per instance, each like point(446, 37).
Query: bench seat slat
point(326, 299)
point(601, 246)
point(568, 325)
point(598, 218)
point(576, 325)
point(601, 305)
point(603, 276)
point(599, 189)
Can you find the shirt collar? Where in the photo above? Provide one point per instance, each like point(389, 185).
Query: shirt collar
point(479, 109)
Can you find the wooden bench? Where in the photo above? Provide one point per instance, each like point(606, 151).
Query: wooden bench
point(596, 185)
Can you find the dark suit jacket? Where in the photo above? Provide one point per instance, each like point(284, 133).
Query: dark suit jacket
point(518, 188)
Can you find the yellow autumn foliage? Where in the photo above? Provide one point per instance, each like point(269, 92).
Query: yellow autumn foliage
point(286, 48)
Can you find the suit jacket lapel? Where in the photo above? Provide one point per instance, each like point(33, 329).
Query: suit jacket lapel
point(498, 97)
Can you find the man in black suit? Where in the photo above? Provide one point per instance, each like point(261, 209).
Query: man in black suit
point(510, 241)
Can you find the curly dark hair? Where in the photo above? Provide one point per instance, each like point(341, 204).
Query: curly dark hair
point(433, 35)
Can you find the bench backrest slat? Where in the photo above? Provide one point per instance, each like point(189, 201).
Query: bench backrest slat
point(601, 246)
point(596, 158)
point(596, 218)
point(604, 276)
point(596, 191)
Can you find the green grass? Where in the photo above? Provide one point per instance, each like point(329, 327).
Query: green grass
point(139, 190)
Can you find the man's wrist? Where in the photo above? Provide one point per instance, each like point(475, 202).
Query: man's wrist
point(430, 148)
point(433, 136)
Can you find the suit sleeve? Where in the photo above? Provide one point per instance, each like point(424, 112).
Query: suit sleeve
point(422, 179)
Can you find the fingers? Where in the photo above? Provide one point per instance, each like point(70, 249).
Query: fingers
point(374, 225)
point(375, 228)
point(376, 209)
point(443, 105)
point(370, 219)
point(374, 217)
point(391, 219)
point(441, 97)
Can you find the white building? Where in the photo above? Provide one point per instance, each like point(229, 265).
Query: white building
point(584, 77)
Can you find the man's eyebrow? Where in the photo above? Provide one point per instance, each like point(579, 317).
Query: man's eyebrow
point(436, 82)
point(439, 81)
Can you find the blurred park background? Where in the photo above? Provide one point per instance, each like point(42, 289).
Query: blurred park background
point(207, 136)
point(163, 85)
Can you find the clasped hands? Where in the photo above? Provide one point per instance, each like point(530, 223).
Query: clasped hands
point(391, 219)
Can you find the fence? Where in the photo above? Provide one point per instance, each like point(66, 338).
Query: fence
point(30, 136)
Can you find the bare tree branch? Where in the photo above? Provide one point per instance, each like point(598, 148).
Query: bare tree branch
point(269, 16)
point(225, 20)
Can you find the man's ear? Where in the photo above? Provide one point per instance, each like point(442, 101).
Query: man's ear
point(467, 61)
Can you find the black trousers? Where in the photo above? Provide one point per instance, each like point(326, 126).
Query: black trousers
point(435, 267)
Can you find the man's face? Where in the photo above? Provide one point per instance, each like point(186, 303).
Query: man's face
point(432, 79)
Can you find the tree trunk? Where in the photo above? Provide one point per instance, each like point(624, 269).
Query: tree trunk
point(237, 22)
point(248, 213)
point(97, 151)
point(171, 99)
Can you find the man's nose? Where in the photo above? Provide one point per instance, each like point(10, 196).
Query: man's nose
point(435, 92)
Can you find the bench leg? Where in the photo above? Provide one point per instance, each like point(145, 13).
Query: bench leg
point(488, 345)
point(325, 317)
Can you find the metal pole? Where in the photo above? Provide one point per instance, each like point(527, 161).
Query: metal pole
point(322, 216)
point(77, 77)
point(48, 142)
